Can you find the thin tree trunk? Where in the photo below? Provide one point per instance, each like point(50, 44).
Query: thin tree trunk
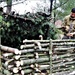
point(9, 6)
point(51, 3)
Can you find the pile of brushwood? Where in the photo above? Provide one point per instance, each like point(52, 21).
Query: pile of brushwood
point(15, 28)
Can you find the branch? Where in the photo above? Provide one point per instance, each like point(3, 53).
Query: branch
point(15, 4)
point(61, 4)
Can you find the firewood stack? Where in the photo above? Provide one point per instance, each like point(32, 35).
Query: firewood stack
point(9, 60)
point(40, 57)
point(36, 56)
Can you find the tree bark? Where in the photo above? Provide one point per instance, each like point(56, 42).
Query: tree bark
point(51, 3)
point(9, 6)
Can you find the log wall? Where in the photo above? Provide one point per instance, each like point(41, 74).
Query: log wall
point(41, 57)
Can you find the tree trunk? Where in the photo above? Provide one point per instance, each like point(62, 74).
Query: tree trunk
point(51, 3)
point(9, 6)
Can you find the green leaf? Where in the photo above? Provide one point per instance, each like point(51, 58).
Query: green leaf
point(41, 32)
point(8, 24)
point(1, 18)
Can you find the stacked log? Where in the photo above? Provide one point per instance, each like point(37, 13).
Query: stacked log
point(41, 57)
point(9, 59)
point(37, 52)
point(60, 53)
point(64, 59)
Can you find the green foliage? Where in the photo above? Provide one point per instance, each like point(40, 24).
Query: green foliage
point(63, 8)
point(16, 29)
point(1, 18)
